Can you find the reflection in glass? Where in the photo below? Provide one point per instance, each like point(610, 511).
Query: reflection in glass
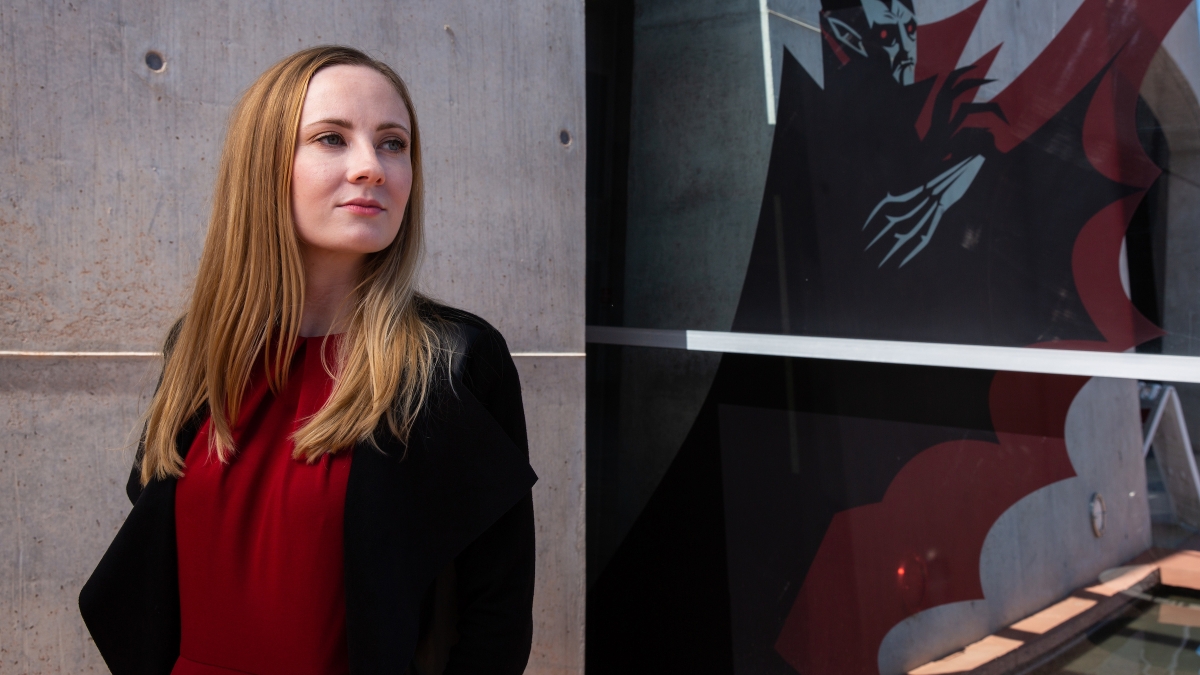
point(967, 176)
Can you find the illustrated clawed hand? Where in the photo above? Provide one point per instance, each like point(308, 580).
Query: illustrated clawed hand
point(912, 218)
point(923, 206)
point(946, 120)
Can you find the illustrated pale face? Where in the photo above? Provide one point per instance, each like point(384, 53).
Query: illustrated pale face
point(894, 30)
point(352, 171)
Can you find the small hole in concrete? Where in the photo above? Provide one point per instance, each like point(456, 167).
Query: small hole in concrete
point(564, 137)
point(155, 62)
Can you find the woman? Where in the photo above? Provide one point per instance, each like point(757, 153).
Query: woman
point(334, 474)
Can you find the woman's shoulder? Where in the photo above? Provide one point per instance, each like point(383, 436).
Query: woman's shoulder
point(481, 361)
point(436, 312)
point(471, 335)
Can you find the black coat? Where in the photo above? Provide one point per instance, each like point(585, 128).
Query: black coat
point(454, 506)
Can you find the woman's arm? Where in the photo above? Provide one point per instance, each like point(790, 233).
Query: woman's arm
point(494, 574)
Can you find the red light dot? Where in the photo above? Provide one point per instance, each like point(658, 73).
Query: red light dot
point(883, 33)
point(900, 571)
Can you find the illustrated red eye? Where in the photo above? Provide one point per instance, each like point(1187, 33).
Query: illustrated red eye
point(912, 28)
point(883, 33)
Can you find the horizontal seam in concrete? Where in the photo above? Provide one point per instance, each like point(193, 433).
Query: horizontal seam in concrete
point(69, 355)
point(33, 354)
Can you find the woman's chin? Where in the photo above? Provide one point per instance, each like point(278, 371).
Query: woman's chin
point(353, 243)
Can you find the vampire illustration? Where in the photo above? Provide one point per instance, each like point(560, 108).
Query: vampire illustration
point(814, 505)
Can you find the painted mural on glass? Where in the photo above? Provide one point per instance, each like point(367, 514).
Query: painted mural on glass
point(814, 506)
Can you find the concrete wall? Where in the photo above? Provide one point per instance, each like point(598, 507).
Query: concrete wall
point(1043, 547)
point(106, 170)
point(1170, 89)
point(699, 145)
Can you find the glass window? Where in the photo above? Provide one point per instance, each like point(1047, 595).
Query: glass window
point(893, 314)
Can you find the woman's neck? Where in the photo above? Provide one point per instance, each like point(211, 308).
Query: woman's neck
point(329, 279)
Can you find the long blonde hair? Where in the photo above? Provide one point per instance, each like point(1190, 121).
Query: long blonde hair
point(249, 292)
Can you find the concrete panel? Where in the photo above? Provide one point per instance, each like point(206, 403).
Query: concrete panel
point(1168, 89)
point(1021, 30)
point(108, 166)
point(106, 172)
point(1043, 547)
point(65, 449)
point(1182, 45)
point(803, 43)
point(555, 414)
point(698, 158)
point(67, 429)
point(699, 147)
point(660, 396)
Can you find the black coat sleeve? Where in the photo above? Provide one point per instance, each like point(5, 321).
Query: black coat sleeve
point(494, 575)
point(133, 487)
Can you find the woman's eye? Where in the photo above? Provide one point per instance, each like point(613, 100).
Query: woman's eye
point(331, 139)
point(394, 145)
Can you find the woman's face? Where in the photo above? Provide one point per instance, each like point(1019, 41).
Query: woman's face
point(352, 172)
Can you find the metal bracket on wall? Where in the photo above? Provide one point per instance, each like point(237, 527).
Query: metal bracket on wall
point(1167, 432)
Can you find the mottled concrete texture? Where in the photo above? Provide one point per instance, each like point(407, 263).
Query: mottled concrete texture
point(108, 166)
point(1043, 547)
point(67, 428)
point(698, 156)
point(556, 448)
point(1170, 90)
point(699, 147)
point(106, 170)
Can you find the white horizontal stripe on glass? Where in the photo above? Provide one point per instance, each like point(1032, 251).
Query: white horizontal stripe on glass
point(1019, 359)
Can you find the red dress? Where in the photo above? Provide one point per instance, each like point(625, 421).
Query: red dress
point(260, 539)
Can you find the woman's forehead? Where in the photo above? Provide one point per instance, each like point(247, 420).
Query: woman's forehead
point(349, 92)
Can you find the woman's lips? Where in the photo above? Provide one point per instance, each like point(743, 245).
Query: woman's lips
point(363, 206)
point(362, 209)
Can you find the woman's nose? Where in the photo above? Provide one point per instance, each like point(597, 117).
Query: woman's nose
point(365, 165)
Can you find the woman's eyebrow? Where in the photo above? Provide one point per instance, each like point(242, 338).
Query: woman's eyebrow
point(335, 121)
point(346, 124)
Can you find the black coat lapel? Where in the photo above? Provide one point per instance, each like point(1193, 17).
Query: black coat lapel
point(130, 604)
point(410, 511)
